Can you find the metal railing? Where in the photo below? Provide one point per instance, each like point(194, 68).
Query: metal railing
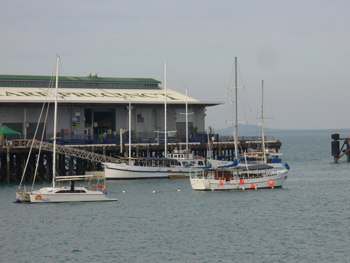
point(64, 150)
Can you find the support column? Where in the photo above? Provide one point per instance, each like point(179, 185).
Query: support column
point(49, 167)
point(71, 165)
point(8, 164)
point(93, 164)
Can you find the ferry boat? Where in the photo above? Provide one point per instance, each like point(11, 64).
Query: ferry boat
point(176, 165)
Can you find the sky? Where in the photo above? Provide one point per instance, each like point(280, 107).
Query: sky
point(301, 49)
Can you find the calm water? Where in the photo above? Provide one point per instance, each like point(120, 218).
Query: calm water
point(308, 220)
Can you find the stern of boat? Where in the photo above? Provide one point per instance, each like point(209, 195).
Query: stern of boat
point(22, 195)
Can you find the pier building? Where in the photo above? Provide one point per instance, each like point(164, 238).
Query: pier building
point(94, 107)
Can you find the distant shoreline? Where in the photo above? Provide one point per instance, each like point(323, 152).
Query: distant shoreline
point(252, 130)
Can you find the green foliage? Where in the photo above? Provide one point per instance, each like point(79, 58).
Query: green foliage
point(211, 130)
point(194, 130)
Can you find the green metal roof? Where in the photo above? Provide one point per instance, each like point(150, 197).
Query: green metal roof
point(79, 79)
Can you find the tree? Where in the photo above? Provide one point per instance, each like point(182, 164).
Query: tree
point(211, 130)
point(194, 130)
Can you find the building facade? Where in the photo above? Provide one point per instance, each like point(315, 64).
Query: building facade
point(96, 107)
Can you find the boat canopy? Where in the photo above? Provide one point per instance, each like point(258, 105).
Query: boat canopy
point(252, 167)
point(73, 177)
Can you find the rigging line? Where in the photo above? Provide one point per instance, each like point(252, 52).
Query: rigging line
point(268, 99)
point(36, 131)
point(228, 109)
point(51, 84)
point(245, 92)
point(232, 70)
point(61, 69)
point(222, 108)
point(176, 75)
point(273, 114)
point(243, 106)
point(41, 143)
point(159, 70)
point(240, 73)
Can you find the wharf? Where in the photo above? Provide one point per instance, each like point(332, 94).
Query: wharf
point(76, 159)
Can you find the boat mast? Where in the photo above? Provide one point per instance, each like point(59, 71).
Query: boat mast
point(262, 124)
point(55, 127)
point(129, 109)
point(165, 107)
point(186, 122)
point(236, 113)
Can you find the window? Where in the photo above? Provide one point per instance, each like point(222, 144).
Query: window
point(140, 118)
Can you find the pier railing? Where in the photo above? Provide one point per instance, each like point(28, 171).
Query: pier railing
point(66, 150)
point(115, 139)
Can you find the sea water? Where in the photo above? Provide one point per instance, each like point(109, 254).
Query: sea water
point(164, 220)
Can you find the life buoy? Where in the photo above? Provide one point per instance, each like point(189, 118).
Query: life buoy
point(104, 188)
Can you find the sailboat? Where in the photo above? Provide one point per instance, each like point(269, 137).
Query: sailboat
point(56, 193)
point(241, 176)
point(263, 155)
point(253, 156)
point(174, 165)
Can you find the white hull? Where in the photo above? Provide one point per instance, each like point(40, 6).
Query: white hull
point(62, 194)
point(201, 183)
point(125, 171)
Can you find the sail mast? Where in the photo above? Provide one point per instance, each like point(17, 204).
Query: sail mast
point(55, 128)
point(165, 113)
point(262, 123)
point(236, 113)
point(129, 109)
point(186, 121)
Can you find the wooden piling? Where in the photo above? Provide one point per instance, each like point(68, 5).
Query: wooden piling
point(338, 152)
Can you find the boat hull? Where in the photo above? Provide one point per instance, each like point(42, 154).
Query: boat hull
point(57, 195)
point(205, 184)
point(125, 171)
point(23, 196)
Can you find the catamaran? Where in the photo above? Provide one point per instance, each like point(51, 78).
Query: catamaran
point(57, 192)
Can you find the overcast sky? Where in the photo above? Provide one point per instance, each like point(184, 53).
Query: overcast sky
point(299, 48)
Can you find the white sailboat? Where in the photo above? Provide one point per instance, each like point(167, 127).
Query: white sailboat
point(173, 165)
point(238, 178)
point(56, 193)
point(242, 176)
point(253, 156)
point(263, 155)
